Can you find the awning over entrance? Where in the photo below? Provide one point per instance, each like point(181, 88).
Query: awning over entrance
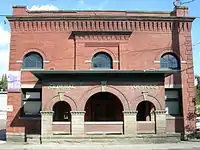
point(44, 74)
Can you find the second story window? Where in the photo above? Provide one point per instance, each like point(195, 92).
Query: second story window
point(169, 61)
point(102, 61)
point(32, 61)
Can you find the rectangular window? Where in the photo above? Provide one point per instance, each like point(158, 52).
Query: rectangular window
point(31, 102)
point(172, 101)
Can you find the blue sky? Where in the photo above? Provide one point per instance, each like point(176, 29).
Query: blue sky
point(155, 5)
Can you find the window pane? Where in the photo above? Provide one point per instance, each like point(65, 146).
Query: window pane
point(169, 61)
point(32, 107)
point(102, 60)
point(31, 95)
point(172, 94)
point(33, 60)
point(172, 107)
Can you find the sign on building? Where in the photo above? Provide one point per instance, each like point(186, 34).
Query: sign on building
point(14, 81)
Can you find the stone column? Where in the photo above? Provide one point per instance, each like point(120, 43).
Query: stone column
point(153, 116)
point(77, 122)
point(130, 123)
point(160, 121)
point(46, 123)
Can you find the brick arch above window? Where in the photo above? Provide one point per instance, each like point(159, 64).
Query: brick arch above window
point(35, 50)
point(159, 55)
point(104, 50)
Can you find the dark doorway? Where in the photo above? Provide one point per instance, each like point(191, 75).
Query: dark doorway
point(103, 106)
point(61, 111)
point(144, 111)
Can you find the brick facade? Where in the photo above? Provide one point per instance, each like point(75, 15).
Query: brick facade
point(68, 40)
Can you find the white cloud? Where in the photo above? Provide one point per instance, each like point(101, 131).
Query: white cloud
point(4, 37)
point(43, 7)
point(81, 2)
point(4, 60)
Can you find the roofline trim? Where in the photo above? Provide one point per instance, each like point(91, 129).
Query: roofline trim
point(39, 18)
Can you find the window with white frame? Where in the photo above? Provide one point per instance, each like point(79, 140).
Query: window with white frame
point(172, 101)
point(31, 102)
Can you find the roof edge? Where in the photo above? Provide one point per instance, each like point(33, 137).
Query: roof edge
point(102, 17)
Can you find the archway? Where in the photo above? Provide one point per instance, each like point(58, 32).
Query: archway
point(103, 106)
point(61, 111)
point(144, 109)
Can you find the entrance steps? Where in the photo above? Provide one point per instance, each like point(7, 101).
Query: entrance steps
point(107, 139)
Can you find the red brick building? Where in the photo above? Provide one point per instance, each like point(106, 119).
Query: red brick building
point(105, 72)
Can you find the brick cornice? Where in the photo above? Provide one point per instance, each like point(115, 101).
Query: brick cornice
point(120, 35)
point(78, 24)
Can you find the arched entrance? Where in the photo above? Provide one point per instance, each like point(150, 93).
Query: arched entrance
point(144, 111)
point(103, 106)
point(146, 117)
point(61, 111)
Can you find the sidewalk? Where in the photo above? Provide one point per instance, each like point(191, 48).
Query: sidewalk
point(89, 146)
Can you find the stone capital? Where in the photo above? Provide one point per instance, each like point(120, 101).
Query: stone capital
point(160, 112)
point(130, 112)
point(46, 112)
point(77, 112)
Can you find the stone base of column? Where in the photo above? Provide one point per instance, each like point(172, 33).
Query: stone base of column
point(130, 123)
point(15, 137)
point(46, 123)
point(77, 123)
point(160, 121)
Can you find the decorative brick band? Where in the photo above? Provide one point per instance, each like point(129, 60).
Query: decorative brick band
point(131, 112)
point(137, 24)
point(160, 111)
point(77, 112)
point(103, 37)
point(46, 112)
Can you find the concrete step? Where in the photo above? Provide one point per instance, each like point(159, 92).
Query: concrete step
point(114, 139)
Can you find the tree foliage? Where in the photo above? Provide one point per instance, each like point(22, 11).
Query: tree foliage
point(4, 83)
point(198, 93)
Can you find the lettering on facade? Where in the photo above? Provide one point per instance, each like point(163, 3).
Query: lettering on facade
point(145, 87)
point(61, 87)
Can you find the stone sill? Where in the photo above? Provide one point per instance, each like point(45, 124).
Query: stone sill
point(30, 118)
point(28, 70)
point(55, 123)
point(146, 122)
point(105, 123)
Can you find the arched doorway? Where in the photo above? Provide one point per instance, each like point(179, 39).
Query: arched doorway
point(61, 111)
point(103, 106)
point(144, 111)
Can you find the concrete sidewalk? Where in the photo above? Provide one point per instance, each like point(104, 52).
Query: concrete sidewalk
point(89, 146)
